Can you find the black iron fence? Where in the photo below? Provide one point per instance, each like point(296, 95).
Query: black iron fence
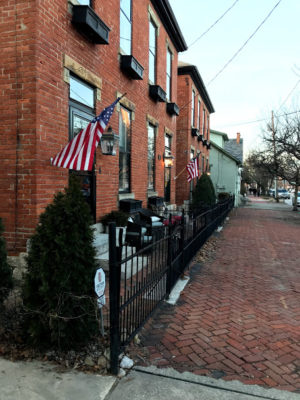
point(139, 279)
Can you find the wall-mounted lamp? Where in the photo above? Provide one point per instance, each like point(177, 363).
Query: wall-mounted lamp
point(109, 142)
point(169, 160)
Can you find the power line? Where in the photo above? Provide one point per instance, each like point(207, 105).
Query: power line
point(241, 48)
point(260, 120)
point(219, 19)
point(297, 83)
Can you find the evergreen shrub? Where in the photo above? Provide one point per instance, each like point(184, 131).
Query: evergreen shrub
point(204, 193)
point(58, 290)
point(6, 280)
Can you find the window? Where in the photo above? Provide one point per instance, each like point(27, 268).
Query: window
point(203, 124)
point(168, 143)
point(124, 149)
point(168, 152)
point(82, 92)
point(198, 120)
point(81, 112)
point(192, 155)
point(152, 51)
point(125, 26)
point(169, 74)
point(84, 2)
point(207, 126)
point(151, 157)
point(193, 108)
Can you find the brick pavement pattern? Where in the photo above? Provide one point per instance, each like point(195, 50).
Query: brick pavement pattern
point(239, 316)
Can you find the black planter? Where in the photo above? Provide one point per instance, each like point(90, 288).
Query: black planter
point(131, 67)
point(194, 132)
point(172, 109)
point(157, 93)
point(90, 25)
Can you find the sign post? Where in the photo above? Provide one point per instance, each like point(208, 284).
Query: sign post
point(99, 282)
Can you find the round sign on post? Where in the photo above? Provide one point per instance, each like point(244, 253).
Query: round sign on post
point(100, 286)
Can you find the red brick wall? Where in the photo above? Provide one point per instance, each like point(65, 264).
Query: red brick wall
point(185, 140)
point(34, 107)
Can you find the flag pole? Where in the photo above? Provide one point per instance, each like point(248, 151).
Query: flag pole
point(184, 169)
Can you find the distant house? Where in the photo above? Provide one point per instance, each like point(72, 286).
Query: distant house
point(225, 165)
point(193, 128)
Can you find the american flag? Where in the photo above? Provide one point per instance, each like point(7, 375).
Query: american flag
point(78, 154)
point(193, 168)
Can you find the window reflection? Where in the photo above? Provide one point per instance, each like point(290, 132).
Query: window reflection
point(81, 92)
point(125, 26)
point(151, 157)
point(124, 149)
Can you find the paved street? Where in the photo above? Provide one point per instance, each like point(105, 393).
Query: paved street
point(239, 316)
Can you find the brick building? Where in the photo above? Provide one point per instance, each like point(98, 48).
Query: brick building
point(193, 127)
point(62, 63)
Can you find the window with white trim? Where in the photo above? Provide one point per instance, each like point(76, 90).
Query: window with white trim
point(152, 51)
point(125, 26)
point(169, 74)
point(193, 108)
point(124, 149)
point(151, 157)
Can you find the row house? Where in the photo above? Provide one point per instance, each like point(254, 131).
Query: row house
point(193, 128)
point(63, 61)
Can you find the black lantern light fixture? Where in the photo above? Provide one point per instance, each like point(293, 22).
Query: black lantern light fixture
point(109, 141)
point(168, 160)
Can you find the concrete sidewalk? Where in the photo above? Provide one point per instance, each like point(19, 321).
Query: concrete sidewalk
point(152, 383)
point(41, 381)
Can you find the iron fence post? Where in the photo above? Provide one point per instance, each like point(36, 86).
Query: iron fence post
point(182, 237)
point(114, 300)
point(169, 262)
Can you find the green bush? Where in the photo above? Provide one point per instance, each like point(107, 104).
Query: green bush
point(119, 217)
point(6, 281)
point(58, 290)
point(204, 192)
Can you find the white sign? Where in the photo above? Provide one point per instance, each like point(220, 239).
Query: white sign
point(100, 286)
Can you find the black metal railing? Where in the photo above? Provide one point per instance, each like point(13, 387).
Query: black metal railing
point(140, 279)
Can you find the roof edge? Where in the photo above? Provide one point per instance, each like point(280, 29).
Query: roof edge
point(225, 136)
point(192, 70)
point(167, 17)
point(226, 153)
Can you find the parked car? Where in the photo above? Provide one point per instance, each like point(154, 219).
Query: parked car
point(298, 199)
point(283, 194)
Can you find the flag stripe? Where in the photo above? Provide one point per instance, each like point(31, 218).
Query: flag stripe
point(192, 169)
point(79, 153)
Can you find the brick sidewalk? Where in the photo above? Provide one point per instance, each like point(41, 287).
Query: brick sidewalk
point(239, 316)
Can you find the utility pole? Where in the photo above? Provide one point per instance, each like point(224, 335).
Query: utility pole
point(274, 147)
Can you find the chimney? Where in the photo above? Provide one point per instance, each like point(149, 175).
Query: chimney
point(238, 137)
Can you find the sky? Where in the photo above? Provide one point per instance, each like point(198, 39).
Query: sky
point(261, 78)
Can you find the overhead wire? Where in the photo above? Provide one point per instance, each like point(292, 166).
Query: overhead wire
point(260, 120)
point(246, 42)
point(218, 20)
point(287, 97)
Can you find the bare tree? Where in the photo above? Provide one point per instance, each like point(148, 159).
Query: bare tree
point(254, 171)
point(281, 156)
